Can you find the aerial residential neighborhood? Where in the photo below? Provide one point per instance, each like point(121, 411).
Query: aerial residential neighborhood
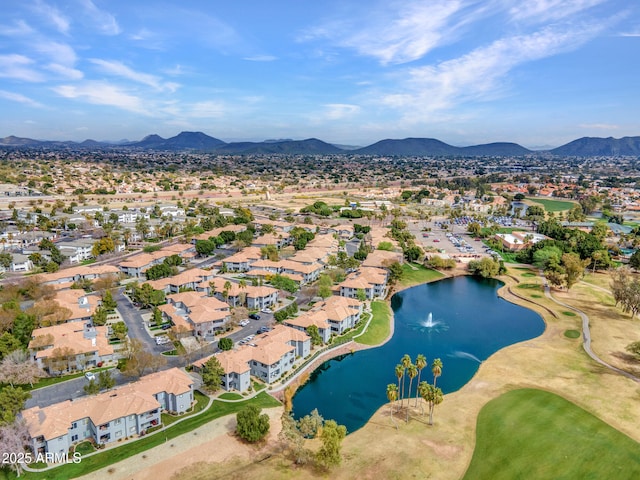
point(319, 240)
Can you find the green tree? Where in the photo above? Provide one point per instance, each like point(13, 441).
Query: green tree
point(8, 343)
point(432, 395)
point(405, 361)
point(108, 303)
point(485, 267)
point(421, 362)
point(412, 372)
point(332, 435)
point(212, 373)
point(634, 349)
point(91, 388)
point(12, 400)
point(399, 372)
point(574, 268)
point(106, 380)
point(361, 294)
point(634, 261)
point(436, 369)
point(312, 331)
point(119, 330)
point(395, 272)
point(225, 344)
point(252, 426)
point(392, 396)
point(311, 424)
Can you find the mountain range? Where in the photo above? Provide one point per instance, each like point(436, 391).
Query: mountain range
point(200, 142)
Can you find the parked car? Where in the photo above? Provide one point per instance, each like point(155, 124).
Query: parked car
point(166, 326)
point(265, 310)
point(244, 322)
point(264, 329)
point(254, 316)
point(90, 376)
point(162, 340)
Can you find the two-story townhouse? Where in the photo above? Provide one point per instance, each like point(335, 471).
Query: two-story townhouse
point(261, 297)
point(190, 279)
point(371, 280)
point(20, 263)
point(202, 316)
point(242, 261)
point(121, 413)
point(77, 250)
point(69, 347)
point(269, 356)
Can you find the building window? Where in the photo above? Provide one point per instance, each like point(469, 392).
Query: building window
point(132, 429)
point(117, 421)
point(74, 425)
point(74, 438)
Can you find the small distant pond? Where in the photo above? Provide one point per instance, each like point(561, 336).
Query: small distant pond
point(460, 320)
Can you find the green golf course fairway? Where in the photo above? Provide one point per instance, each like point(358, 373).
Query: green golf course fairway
point(533, 434)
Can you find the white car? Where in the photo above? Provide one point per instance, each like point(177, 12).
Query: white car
point(244, 322)
point(265, 310)
point(162, 340)
point(90, 376)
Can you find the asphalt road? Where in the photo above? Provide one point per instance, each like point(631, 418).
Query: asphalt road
point(67, 390)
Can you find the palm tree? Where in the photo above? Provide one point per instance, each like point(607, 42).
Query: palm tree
point(436, 369)
point(399, 375)
point(392, 396)
point(225, 292)
point(421, 362)
point(405, 361)
point(432, 395)
point(412, 371)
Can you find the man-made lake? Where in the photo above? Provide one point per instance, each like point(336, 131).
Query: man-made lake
point(460, 320)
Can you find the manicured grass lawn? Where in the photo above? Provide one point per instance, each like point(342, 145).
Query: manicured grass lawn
point(528, 274)
point(572, 333)
point(201, 403)
point(108, 457)
point(380, 327)
point(420, 274)
point(230, 396)
point(529, 286)
point(533, 434)
point(553, 205)
point(569, 314)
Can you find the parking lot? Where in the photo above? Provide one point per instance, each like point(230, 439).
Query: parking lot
point(452, 240)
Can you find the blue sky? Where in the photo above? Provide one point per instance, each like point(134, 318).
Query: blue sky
point(537, 72)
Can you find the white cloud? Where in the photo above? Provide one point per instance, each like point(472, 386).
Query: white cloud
point(19, 29)
point(479, 75)
point(106, 22)
point(60, 53)
point(102, 93)
point(65, 72)
point(19, 67)
point(396, 32)
point(337, 111)
point(261, 58)
point(121, 70)
point(549, 10)
point(52, 15)
point(18, 97)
